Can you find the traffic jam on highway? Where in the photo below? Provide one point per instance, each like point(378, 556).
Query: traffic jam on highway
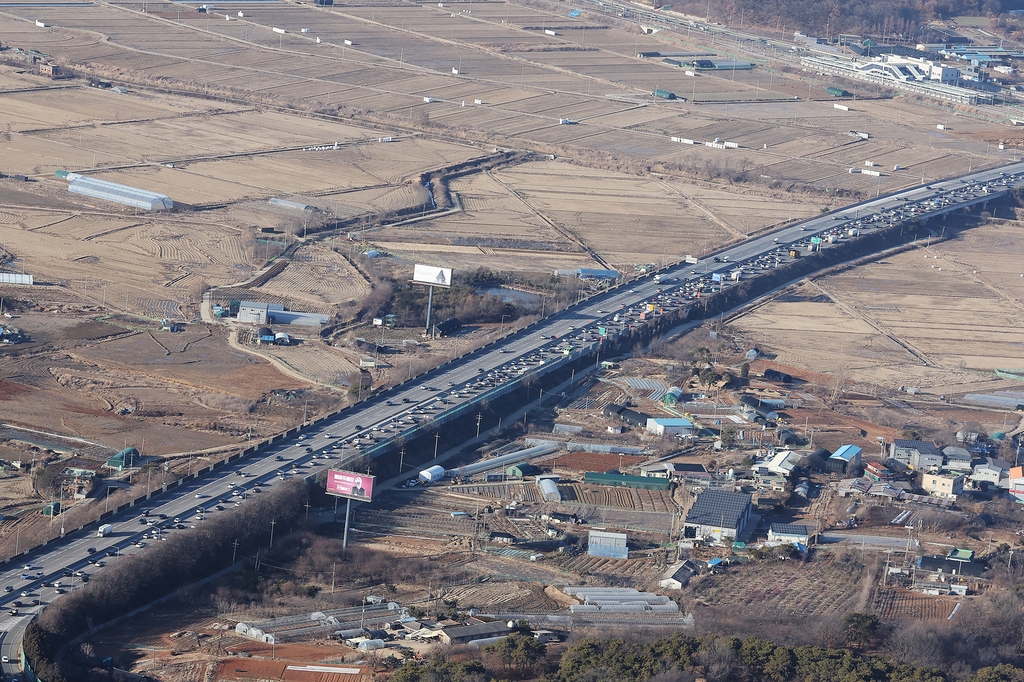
point(539, 347)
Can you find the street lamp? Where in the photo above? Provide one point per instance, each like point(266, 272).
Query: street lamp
point(501, 326)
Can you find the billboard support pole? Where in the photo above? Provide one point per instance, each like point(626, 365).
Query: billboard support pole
point(430, 303)
point(348, 513)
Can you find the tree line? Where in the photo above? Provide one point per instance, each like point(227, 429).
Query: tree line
point(132, 582)
point(905, 18)
point(683, 658)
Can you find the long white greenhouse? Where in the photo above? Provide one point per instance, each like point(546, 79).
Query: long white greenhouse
point(121, 194)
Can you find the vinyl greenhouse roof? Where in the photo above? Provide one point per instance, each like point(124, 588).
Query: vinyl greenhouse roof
point(120, 194)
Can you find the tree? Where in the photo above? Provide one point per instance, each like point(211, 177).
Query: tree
point(728, 437)
point(518, 653)
point(860, 628)
point(745, 370)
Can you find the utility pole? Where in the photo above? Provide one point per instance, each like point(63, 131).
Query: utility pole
point(273, 522)
point(437, 439)
point(307, 512)
point(479, 416)
point(234, 551)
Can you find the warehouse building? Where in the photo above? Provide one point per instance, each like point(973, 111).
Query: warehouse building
point(717, 515)
point(846, 458)
point(788, 532)
point(660, 426)
point(464, 634)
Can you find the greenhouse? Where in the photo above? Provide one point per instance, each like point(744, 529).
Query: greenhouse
point(120, 194)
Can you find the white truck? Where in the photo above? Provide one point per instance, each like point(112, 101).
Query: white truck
point(104, 530)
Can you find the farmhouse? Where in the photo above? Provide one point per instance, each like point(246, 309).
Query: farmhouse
point(903, 451)
point(782, 463)
point(788, 532)
point(944, 485)
point(991, 471)
point(956, 458)
point(678, 575)
point(717, 515)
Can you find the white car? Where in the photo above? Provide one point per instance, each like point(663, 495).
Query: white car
point(199, 496)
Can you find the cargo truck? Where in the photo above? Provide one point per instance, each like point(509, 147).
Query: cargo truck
point(104, 530)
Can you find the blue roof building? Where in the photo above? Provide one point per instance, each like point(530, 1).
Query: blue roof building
point(660, 426)
point(844, 459)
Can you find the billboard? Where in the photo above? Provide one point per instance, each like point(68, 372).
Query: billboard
point(428, 274)
point(350, 484)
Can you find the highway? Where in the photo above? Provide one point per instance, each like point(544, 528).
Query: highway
point(536, 348)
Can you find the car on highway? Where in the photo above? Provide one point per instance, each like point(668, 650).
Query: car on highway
point(91, 550)
point(8, 589)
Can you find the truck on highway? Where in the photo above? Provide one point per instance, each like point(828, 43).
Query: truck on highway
point(104, 530)
point(657, 279)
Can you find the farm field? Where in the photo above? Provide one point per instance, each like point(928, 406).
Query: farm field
point(109, 382)
point(783, 588)
point(890, 323)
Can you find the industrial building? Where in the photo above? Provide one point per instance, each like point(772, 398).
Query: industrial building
point(254, 312)
point(117, 193)
point(607, 545)
point(660, 426)
point(914, 74)
point(718, 515)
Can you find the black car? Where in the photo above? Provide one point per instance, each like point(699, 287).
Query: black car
point(111, 552)
point(35, 602)
point(406, 400)
point(279, 458)
point(359, 427)
point(67, 574)
point(18, 604)
point(91, 550)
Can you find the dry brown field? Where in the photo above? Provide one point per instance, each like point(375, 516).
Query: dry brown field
point(939, 318)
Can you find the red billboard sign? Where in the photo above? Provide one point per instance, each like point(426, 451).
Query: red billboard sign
point(350, 484)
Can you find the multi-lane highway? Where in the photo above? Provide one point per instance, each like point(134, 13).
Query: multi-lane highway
point(536, 348)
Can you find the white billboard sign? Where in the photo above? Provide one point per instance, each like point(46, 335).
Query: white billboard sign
point(428, 274)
